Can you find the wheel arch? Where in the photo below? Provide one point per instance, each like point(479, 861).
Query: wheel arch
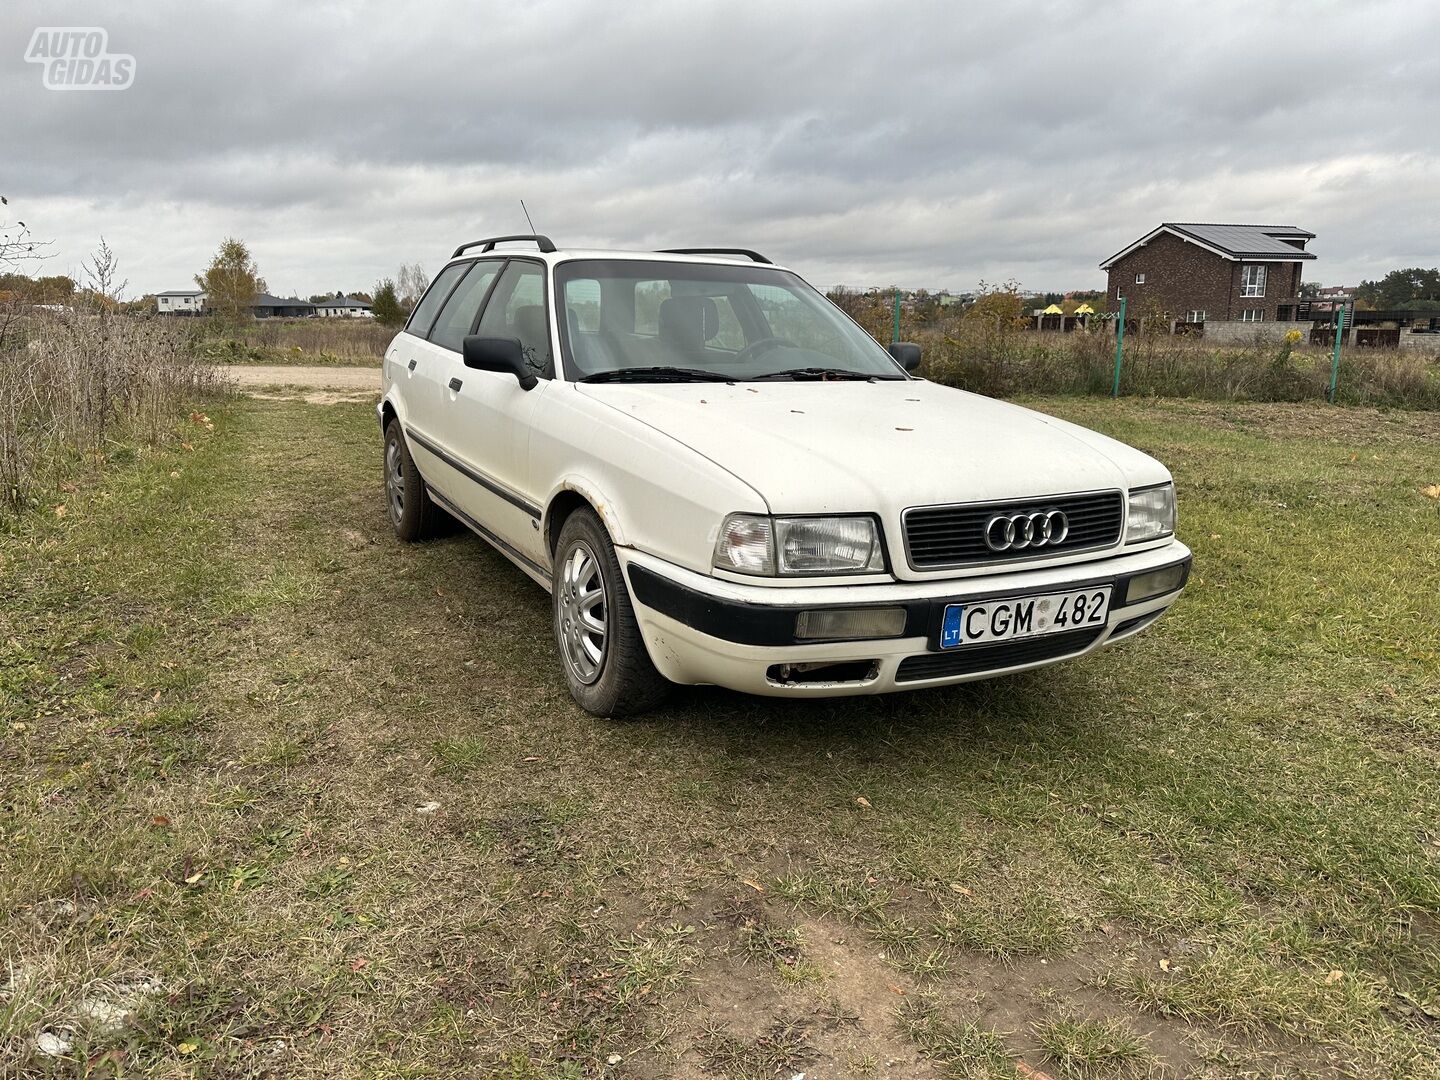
point(573, 494)
point(388, 412)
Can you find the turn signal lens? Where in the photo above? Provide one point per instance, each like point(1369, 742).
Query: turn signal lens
point(744, 545)
point(850, 623)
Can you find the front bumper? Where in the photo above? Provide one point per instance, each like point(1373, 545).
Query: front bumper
point(700, 629)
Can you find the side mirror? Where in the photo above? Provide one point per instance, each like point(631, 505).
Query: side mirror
point(498, 354)
point(907, 353)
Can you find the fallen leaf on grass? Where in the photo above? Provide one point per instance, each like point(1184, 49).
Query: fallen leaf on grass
point(896, 989)
point(187, 1048)
point(427, 808)
point(862, 801)
point(1431, 491)
point(1334, 977)
point(359, 964)
point(956, 887)
point(160, 819)
point(60, 511)
point(753, 884)
point(1030, 1073)
point(194, 879)
point(1164, 965)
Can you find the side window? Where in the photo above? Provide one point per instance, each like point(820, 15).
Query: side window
point(582, 303)
point(731, 335)
point(792, 319)
point(429, 305)
point(517, 310)
point(649, 295)
point(460, 311)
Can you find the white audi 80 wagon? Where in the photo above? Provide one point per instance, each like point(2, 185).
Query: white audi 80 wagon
point(720, 478)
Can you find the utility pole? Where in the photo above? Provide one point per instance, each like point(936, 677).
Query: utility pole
point(895, 334)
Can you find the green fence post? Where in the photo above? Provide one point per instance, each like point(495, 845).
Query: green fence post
point(1335, 356)
point(1119, 348)
point(895, 334)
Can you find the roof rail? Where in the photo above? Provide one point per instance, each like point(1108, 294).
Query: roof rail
point(753, 256)
point(544, 243)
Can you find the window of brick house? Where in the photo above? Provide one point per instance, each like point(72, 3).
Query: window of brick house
point(1252, 314)
point(1139, 279)
point(1252, 281)
point(1195, 316)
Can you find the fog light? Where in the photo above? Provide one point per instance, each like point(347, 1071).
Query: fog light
point(1155, 583)
point(850, 623)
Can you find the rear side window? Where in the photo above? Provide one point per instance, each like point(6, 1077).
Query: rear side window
point(463, 308)
point(424, 313)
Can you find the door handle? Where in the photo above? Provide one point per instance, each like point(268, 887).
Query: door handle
point(411, 365)
point(455, 385)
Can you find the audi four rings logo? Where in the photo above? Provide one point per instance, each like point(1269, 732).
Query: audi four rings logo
point(1011, 532)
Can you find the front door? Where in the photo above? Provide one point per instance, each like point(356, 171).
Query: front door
point(488, 417)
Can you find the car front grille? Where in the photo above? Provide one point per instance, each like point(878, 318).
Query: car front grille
point(941, 537)
point(974, 659)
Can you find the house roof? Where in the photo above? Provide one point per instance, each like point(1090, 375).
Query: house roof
point(266, 300)
point(343, 302)
point(1266, 243)
point(182, 292)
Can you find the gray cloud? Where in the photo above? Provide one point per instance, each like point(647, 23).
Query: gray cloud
point(931, 144)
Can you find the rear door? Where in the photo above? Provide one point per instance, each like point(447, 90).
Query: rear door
point(410, 366)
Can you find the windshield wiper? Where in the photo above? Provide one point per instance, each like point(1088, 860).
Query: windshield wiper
point(656, 374)
point(814, 373)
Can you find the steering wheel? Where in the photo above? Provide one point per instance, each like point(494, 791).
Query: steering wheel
point(765, 344)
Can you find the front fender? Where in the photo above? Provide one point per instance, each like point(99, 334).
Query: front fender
point(591, 493)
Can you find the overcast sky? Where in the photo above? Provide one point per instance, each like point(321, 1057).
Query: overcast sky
point(925, 145)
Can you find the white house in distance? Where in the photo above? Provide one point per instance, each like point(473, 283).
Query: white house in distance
point(180, 302)
point(344, 307)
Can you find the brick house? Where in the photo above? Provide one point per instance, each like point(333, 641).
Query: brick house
point(1195, 273)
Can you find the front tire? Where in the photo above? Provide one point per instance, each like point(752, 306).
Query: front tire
point(601, 651)
point(413, 514)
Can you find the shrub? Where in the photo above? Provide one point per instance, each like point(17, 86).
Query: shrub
point(73, 384)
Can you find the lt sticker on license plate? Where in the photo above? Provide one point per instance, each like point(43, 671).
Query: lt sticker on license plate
point(1022, 617)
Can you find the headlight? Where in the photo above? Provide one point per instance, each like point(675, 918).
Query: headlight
point(755, 544)
point(1152, 514)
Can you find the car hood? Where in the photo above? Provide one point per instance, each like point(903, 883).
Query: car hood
point(852, 447)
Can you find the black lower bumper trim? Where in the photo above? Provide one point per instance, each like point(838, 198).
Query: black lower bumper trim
point(772, 624)
point(979, 658)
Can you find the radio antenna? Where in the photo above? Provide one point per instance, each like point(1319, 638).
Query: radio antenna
point(527, 216)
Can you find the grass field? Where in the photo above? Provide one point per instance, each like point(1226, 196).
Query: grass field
point(280, 796)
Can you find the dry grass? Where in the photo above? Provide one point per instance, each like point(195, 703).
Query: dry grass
point(79, 389)
point(1006, 363)
point(294, 341)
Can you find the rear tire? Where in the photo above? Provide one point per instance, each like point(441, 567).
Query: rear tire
point(413, 514)
point(602, 652)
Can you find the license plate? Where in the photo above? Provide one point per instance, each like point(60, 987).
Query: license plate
point(1023, 616)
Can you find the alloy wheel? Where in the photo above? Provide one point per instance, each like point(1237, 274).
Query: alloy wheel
point(582, 612)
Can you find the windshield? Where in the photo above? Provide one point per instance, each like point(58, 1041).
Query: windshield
point(633, 320)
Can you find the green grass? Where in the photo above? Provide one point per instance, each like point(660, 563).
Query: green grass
point(324, 800)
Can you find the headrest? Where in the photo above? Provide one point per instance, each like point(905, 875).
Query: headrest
point(530, 324)
point(689, 321)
